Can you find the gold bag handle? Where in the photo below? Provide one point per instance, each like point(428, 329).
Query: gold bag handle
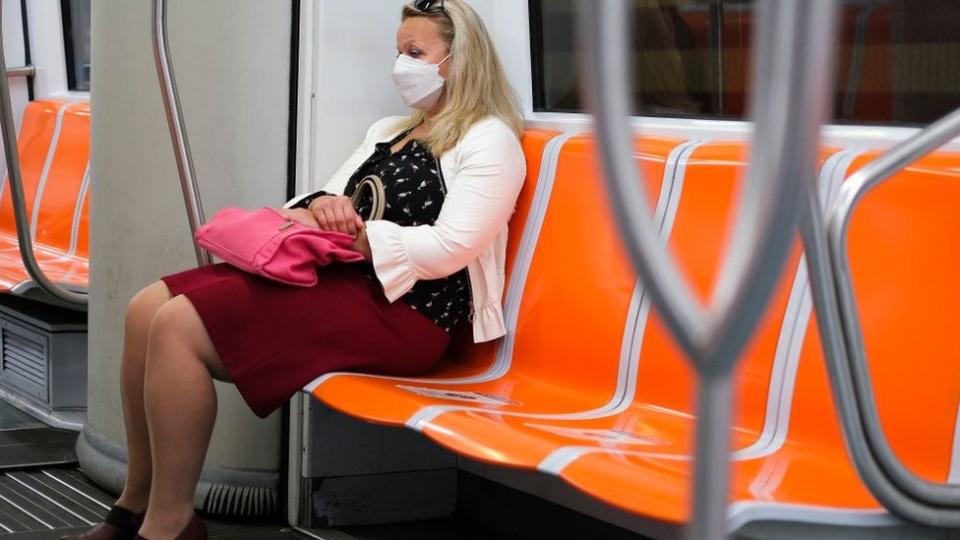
point(375, 185)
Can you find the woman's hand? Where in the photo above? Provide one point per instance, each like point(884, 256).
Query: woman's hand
point(301, 216)
point(336, 214)
point(362, 245)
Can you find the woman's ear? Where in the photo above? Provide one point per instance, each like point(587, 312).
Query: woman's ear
point(445, 67)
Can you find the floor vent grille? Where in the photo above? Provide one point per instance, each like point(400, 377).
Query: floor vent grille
point(24, 360)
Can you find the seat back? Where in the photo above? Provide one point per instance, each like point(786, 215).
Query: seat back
point(463, 350)
point(579, 286)
point(698, 239)
point(904, 270)
point(83, 227)
point(57, 208)
point(38, 130)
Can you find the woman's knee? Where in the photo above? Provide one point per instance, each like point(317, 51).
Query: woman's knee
point(144, 305)
point(167, 326)
point(177, 328)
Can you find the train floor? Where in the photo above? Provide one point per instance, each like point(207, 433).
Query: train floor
point(44, 495)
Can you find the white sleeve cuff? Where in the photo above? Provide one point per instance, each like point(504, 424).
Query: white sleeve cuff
point(391, 263)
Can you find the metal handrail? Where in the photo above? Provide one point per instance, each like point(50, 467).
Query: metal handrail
point(22, 71)
point(830, 318)
point(175, 123)
point(25, 242)
point(860, 391)
point(793, 41)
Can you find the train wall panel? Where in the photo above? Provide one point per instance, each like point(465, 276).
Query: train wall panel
point(232, 61)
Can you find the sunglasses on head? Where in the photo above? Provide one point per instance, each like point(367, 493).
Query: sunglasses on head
point(429, 6)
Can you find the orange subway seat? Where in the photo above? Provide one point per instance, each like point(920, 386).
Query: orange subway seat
point(660, 488)
point(37, 131)
point(12, 270)
point(525, 441)
point(798, 472)
point(464, 358)
point(902, 278)
point(67, 270)
point(83, 229)
point(546, 361)
point(905, 278)
point(698, 241)
point(659, 415)
point(534, 143)
point(58, 202)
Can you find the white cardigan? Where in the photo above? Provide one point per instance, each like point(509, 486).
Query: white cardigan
point(484, 173)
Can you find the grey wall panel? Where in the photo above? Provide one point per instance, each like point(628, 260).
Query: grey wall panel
point(232, 62)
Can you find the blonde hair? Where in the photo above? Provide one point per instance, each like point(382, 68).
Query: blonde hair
point(476, 84)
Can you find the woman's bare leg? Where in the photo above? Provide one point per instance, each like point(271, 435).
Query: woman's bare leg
point(140, 312)
point(181, 406)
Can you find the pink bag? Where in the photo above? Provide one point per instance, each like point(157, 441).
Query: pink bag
point(266, 243)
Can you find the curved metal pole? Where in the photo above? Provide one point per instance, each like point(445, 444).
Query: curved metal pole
point(178, 133)
point(9, 132)
point(793, 42)
point(859, 184)
point(827, 301)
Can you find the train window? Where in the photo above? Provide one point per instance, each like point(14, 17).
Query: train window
point(76, 40)
point(898, 62)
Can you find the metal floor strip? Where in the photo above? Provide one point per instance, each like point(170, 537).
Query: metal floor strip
point(324, 534)
point(80, 483)
point(46, 500)
point(97, 502)
point(43, 504)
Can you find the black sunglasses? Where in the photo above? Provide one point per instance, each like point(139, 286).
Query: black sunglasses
point(429, 6)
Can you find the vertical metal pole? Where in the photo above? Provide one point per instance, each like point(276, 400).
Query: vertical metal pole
point(793, 42)
point(178, 133)
point(711, 469)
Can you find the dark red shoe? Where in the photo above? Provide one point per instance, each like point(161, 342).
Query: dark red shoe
point(195, 530)
point(120, 524)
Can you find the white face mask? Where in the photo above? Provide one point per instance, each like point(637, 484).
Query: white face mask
point(419, 82)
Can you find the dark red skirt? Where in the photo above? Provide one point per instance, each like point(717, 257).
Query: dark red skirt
point(274, 338)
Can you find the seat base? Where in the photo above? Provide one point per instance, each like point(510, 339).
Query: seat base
point(67, 270)
point(786, 530)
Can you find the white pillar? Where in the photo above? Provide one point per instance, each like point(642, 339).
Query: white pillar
point(232, 61)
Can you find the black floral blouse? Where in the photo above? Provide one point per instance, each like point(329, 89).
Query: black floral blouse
point(415, 190)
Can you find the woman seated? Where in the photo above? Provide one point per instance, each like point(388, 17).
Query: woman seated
point(451, 171)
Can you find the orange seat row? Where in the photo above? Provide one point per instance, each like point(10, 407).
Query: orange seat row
point(589, 386)
point(54, 149)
